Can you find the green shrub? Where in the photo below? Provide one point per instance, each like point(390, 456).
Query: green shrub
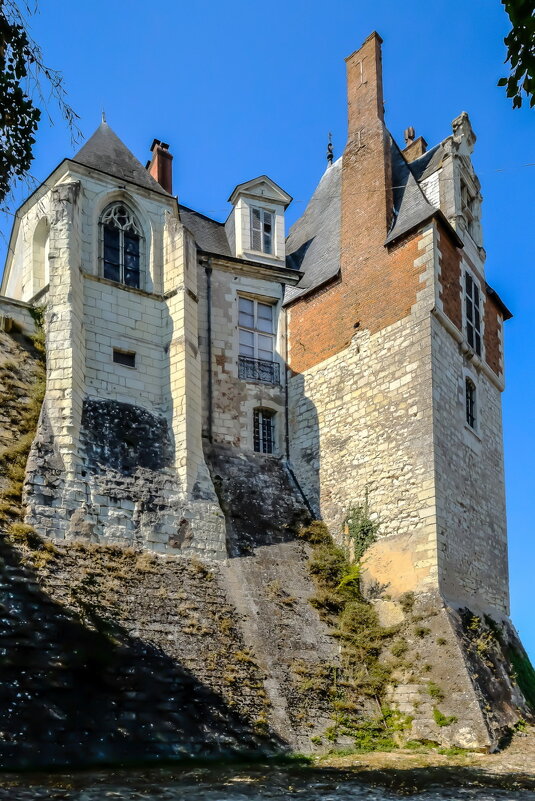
point(398, 648)
point(435, 691)
point(443, 720)
point(406, 602)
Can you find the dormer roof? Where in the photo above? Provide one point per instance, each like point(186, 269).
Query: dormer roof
point(104, 151)
point(262, 187)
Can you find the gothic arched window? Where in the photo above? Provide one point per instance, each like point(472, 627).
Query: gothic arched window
point(121, 245)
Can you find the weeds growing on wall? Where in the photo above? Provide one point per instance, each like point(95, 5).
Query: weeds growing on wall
point(22, 415)
point(360, 683)
point(361, 530)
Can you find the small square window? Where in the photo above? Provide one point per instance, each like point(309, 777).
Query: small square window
point(125, 357)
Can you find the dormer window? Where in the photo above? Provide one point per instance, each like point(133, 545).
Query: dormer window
point(261, 230)
point(121, 245)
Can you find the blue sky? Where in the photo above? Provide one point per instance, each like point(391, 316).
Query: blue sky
point(241, 88)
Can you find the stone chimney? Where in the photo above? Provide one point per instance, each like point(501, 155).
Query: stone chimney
point(414, 148)
point(161, 165)
point(366, 164)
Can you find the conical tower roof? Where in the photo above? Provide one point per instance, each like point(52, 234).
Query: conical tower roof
point(104, 151)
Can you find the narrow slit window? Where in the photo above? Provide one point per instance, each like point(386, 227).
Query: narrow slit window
point(125, 357)
point(470, 392)
point(472, 299)
point(264, 430)
point(262, 230)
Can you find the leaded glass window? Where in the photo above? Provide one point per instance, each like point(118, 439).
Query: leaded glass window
point(121, 245)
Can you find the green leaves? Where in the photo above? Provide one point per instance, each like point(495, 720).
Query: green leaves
point(21, 65)
point(520, 43)
point(18, 116)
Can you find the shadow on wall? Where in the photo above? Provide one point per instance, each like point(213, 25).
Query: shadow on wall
point(81, 692)
point(304, 442)
point(266, 498)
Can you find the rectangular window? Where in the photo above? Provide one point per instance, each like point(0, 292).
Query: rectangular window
point(256, 328)
point(256, 324)
point(264, 430)
point(470, 391)
point(261, 230)
point(125, 357)
point(472, 299)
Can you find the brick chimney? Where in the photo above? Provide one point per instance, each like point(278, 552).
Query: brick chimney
point(161, 165)
point(366, 164)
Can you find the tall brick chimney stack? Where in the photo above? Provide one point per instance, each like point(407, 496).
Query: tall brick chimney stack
point(366, 165)
point(161, 165)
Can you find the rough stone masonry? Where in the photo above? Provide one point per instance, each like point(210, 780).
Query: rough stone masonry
point(210, 386)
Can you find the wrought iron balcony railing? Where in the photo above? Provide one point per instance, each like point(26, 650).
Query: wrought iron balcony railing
point(258, 370)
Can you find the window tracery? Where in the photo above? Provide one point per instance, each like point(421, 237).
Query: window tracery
point(121, 245)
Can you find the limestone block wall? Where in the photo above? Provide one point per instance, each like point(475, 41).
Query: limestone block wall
point(118, 455)
point(100, 190)
point(233, 399)
point(121, 318)
point(29, 269)
point(471, 522)
point(361, 422)
point(17, 312)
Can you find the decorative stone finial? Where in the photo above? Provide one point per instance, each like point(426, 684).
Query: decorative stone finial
point(463, 133)
point(103, 116)
point(330, 154)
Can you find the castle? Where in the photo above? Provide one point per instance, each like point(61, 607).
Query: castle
point(362, 354)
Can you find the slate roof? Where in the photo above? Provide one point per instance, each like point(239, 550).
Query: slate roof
point(104, 151)
point(429, 163)
point(209, 234)
point(411, 207)
point(313, 244)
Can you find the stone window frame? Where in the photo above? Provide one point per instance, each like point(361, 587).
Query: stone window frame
point(472, 433)
point(255, 206)
point(277, 360)
point(466, 270)
point(469, 202)
point(260, 414)
point(107, 199)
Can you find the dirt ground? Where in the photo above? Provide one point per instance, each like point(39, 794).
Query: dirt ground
point(516, 761)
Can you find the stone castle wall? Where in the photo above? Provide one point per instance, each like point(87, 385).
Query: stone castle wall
point(361, 423)
point(471, 521)
point(234, 399)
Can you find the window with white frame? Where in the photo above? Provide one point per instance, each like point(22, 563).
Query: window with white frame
point(262, 230)
point(121, 245)
point(471, 407)
point(256, 327)
point(264, 430)
point(472, 306)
